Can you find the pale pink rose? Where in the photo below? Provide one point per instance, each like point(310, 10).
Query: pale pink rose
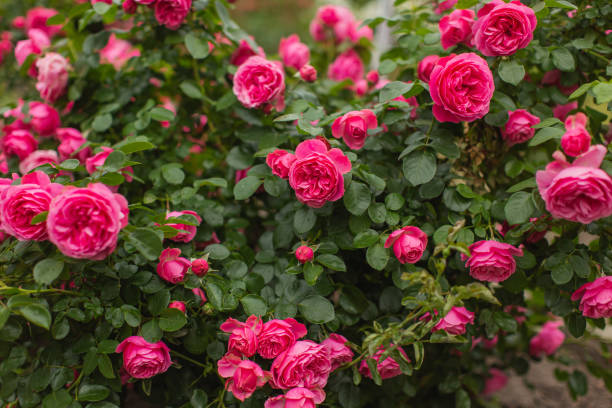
point(496, 380)
point(35, 44)
point(408, 243)
point(258, 81)
point(44, 119)
point(200, 267)
point(199, 293)
point(244, 52)
point(548, 340)
point(576, 139)
point(95, 162)
point(172, 13)
point(19, 142)
point(71, 141)
point(190, 229)
point(276, 336)
point(595, 298)
point(280, 162)
point(519, 127)
point(84, 222)
point(117, 52)
point(456, 28)
point(37, 18)
point(353, 127)
point(492, 261)
point(142, 359)
point(387, 368)
point(347, 65)
point(316, 175)
point(426, 65)
point(455, 321)
point(339, 352)
point(561, 111)
point(38, 158)
point(356, 32)
point(308, 73)
point(172, 267)
point(244, 376)
point(305, 364)
point(243, 337)
point(304, 254)
point(445, 5)
point(52, 76)
point(299, 397)
point(579, 192)
point(177, 304)
point(461, 87)
point(503, 28)
point(293, 52)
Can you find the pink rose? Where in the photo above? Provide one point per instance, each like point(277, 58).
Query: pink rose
point(38, 158)
point(316, 175)
point(95, 162)
point(200, 266)
point(244, 52)
point(293, 52)
point(129, 6)
point(339, 352)
point(199, 293)
point(244, 376)
point(142, 359)
point(243, 337)
point(117, 52)
point(335, 22)
point(45, 120)
point(595, 298)
point(356, 32)
point(308, 73)
point(426, 65)
point(304, 254)
point(461, 87)
point(579, 192)
point(258, 81)
point(299, 397)
point(445, 5)
point(35, 44)
point(37, 18)
point(576, 139)
point(548, 340)
point(347, 65)
point(190, 230)
point(172, 13)
point(71, 141)
point(19, 142)
point(456, 28)
point(486, 343)
point(52, 76)
point(177, 304)
point(518, 312)
point(3, 164)
point(519, 127)
point(388, 368)
point(496, 380)
point(280, 162)
point(172, 267)
point(492, 261)
point(353, 127)
point(276, 336)
point(561, 111)
point(503, 28)
point(84, 222)
point(409, 243)
point(455, 321)
point(305, 364)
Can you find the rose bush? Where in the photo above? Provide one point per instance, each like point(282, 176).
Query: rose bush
point(188, 217)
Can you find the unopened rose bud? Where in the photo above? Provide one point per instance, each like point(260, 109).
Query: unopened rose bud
point(177, 304)
point(304, 254)
point(308, 73)
point(373, 77)
point(200, 266)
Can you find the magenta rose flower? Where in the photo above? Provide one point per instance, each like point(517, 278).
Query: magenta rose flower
point(258, 81)
point(45, 120)
point(244, 376)
point(293, 52)
point(129, 6)
point(461, 87)
point(244, 52)
point(84, 222)
point(456, 28)
point(496, 380)
point(19, 142)
point(548, 340)
point(387, 368)
point(595, 298)
point(177, 304)
point(243, 338)
point(277, 336)
point(561, 111)
point(172, 13)
point(172, 267)
point(280, 162)
point(36, 159)
point(316, 175)
point(339, 352)
point(519, 127)
point(142, 359)
point(334, 22)
point(579, 192)
point(347, 65)
point(305, 364)
point(426, 65)
point(200, 295)
point(353, 127)
point(37, 18)
point(308, 73)
point(52, 76)
point(503, 28)
point(200, 266)
point(492, 261)
point(455, 321)
point(71, 141)
point(576, 139)
point(408, 243)
point(445, 5)
point(299, 397)
point(190, 230)
point(304, 254)
point(117, 52)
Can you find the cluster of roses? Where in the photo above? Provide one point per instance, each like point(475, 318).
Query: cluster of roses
point(169, 13)
point(299, 367)
point(339, 24)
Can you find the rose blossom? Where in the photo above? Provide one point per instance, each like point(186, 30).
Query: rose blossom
point(347, 65)
point(461, 87)
point(172, 13)
point(548, 340)
point(353, 127)
point(243, 337)
point(339, 352)
point(455, 321)
point(409, 243)
point(117, 52)
point(19, 142)
point(316, 175)
point(71, 141)
point(561, 111)
point(190, 229)
point(388, 368)
point(84, 223)
point(304, 254)
point(95, 162)
point(244, 52)
point(200, 267)
point(177, 304)
point(496, 380)
point(258, 81)
point(308, 73)
point(129, 6)
point(576, 139)
point(356, 32)
point(142, 359)
point(199, 293)
point(503, 28)
point(445, 5)
point(52, 76)
point(280, 162)
point(244, 376)
point(277, 336)
point(492, 261)
point(456, 28)
point(172, 267)
point(579, 192)
point(45, 120)
point(519, 127)
point(37, 158)
point(334, 22)
point(37, 18)
point(595, 298)
point(293, 52)
point(299, 397)
point(426, 65)
point(305, 364)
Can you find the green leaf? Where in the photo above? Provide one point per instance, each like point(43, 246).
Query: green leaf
point(563, 59)
point(580, 266)
point(197, 47)
point(191, 90)
point(147, 242)
point(357, 198)
point(582, 90)
point(115, 161)
point(158, 302)
point(466, 4)
point(548, 122)
point(246, 187)
point(317, 309)
point(135, 144)
point(562, 273)
point(212, 182)
point(394, 201)
point(511, 72)
point(377, 257)
point(394, 89)
point(576, 324)
point(353, 300)
point(312, 272)
point(162, 114)
point(102, 122)
point(419, 167)
point(603, 92)
point(365, 238)
point(105, 366)
point(546, 134)
point(529, 183)
point(57, 399)
point(578, 383)
point(217, 251)
point(93, 392)
point(172, 319)
point(5, 312)
point(462, 399)
point(561, 4)
point(254, 305)
point(38, 314)
point(332, 262)
point(304, 220)
point(101, 8)
point(519, 208)
point(131, 315)
point(47, 270)
point(173, 173)
point(199, 399)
